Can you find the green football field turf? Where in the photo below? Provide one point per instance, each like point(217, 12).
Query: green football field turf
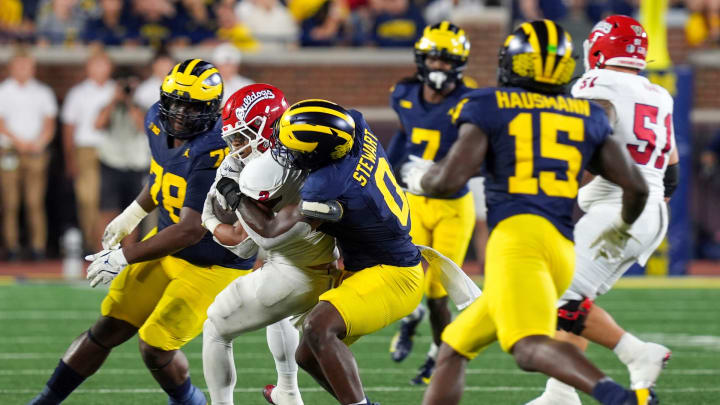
point(38, 321)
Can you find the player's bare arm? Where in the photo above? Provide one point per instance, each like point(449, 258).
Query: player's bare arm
point(230, 235)
point(462, 162)
point(613, 163)
point(188, 231)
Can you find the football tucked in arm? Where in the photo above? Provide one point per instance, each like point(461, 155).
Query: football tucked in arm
point(226, 216)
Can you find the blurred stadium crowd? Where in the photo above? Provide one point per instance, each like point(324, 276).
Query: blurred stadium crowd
point(95, 136)
point(255, 24)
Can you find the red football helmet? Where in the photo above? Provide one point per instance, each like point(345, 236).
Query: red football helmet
point(617, 40)
point(248, 117)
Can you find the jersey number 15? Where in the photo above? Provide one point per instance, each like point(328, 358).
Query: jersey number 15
point(523, 182)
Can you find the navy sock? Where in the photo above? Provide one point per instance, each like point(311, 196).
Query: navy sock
point(181, 392)
point(63, 381)
point(608, 392)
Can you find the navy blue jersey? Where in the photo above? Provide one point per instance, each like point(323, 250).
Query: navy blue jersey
point(427, 129)
point(375, 225)
point(181, 177)
point(538, 148)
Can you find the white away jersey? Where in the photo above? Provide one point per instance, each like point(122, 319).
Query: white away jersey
point(644, 124)
point(265, 179)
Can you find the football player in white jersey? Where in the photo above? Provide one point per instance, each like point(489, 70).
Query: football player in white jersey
point(641, 115)
point(294, 274)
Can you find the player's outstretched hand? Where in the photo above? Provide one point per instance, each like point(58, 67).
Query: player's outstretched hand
point(105, 266)
point(122, 225)
point(412, 173)
point(612, 241)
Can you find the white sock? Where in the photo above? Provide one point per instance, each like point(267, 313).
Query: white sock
point(414, 315)
point(363, 402)
point(433, 352)
point(283, 340)
point(627, 347)
point(218, 365)
point(556, 386)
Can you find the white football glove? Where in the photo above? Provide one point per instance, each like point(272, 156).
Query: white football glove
point(209, 220)
point(612, 241)
point(122, 225)
point(105, 266)
point(412, 173)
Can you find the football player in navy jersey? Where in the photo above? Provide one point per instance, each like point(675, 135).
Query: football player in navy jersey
point(535, 143)
point(161, 287)
point(425, 105)
point(351, 194)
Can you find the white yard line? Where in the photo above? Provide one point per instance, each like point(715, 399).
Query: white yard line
point(381, 371)
point(318, 389)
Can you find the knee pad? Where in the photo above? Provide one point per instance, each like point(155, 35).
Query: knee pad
point(572, 315)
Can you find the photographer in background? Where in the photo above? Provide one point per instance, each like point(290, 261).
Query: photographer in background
point(125, 155)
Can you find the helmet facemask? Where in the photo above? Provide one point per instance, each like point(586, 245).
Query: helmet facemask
point(245, 141)
point(439, 79)
point(183, 118)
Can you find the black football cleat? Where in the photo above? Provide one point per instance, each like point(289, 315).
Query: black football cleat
point(402, 343)
point(424, 373)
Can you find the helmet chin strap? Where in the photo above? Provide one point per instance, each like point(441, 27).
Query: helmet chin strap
point(437, 79)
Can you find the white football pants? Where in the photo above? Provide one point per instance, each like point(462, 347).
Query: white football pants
point(594, 277)
point(265, 297)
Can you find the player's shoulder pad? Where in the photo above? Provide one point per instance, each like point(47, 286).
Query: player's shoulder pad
point(330, 210)
point(262, 178)
point(152, 121)
point(475, 104)
point(597, 84)
point(207, 150)
point(403, 88)
point(470, 82)
point(324, 184)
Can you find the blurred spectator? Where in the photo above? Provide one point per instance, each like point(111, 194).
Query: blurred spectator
point(227, 60)
point(704, 21)
point(398, 23)
point(196, 22)
point(450, 10)
point(528, 10)
point(113, 27)
point(230, 30)
point(711, 156)
point(124, 154)
point(27, 122)
point(81, 140)
point(60, 22)
point(156, 21)
point(148, 92)
point(321, 21)
point(270, 23)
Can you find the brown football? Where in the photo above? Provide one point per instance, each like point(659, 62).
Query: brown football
point(226, 216)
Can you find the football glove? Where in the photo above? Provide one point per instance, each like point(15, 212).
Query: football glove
point(208, 218)
point(229, 189)
point(122, 225)
point(105, 266)
point(412, 173)
point(612, 241)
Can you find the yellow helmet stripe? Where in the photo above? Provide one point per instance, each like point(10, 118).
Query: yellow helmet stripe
point(564, 60)
point(551, 47)
point(189, 68)
point(316, 109)
point(288, 139)
point(535, 43)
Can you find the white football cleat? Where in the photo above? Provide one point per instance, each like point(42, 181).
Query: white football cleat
point(277, 396)
point(647, 365)
point(557, 393)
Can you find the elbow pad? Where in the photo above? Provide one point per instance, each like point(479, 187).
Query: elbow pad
point(671, 179)
point(298, 231)
point(327, 210)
